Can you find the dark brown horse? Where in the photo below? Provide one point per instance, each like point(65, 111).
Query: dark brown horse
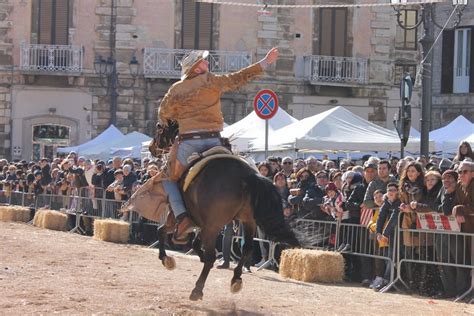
point(226, 189)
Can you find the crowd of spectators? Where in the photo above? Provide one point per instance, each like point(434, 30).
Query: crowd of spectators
point(372, 192)
point(114, 179)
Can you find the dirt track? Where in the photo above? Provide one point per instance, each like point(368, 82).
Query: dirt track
point(45, 272)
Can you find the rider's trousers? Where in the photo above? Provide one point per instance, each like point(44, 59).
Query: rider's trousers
point(185, 149)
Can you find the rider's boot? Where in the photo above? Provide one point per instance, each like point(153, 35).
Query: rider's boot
point(184, 226)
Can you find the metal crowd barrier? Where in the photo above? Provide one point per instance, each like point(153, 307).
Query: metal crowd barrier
point(271, 248)
point(316, 234)
point(447, 249)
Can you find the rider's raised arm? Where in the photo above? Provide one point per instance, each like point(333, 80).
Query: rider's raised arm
point(237, 79)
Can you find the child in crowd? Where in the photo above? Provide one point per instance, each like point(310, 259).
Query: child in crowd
point(378, 249)
point(331, 200)
point(387, 222)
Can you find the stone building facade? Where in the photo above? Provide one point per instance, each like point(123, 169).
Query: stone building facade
point(48, 85)
point(453, 76)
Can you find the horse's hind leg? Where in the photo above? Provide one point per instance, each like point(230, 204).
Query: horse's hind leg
point(249, 232)
point(163, 232)
point(197, 247)
point(209, 257)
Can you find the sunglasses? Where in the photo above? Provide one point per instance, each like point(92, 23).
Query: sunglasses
point(287, 163)
point(464, 171)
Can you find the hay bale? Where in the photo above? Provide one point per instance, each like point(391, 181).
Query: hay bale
point(312, 265)
point(111, 230)
point(13, 213)
point(49, 219)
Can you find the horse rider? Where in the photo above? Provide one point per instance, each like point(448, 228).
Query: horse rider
point(194, 102)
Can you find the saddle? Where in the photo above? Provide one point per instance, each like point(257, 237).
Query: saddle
point(198, 161)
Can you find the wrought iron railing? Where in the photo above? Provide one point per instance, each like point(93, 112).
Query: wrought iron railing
point(166, 63)
point(336, 70)
point(41, 58)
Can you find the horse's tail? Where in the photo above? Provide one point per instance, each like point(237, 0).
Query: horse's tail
point(268, 210)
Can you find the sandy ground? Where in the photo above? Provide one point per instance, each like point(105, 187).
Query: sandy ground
point(46, 272)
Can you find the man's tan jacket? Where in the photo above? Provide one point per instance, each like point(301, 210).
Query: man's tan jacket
point(465, 197)
point(195, 102)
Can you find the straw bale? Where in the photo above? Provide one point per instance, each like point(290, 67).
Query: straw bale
point(12, 213)
point(312, 265)
point(49, 219)
point(111, 230)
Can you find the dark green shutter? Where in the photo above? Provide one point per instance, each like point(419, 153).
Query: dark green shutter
point(447, 62)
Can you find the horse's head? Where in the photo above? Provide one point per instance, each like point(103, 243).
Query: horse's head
point(164, 137)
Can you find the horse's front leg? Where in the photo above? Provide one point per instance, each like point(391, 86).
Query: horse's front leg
point(209, 257)
point(249, 232)
point(163, 232)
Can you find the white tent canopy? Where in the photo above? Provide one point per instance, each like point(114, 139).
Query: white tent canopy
point(252, 127)
point(110, 134)
point(447, 138)
point(335, 130)
point(126, 146)
point(470, 140)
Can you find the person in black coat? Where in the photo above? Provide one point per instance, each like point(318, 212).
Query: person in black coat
point(307, 197)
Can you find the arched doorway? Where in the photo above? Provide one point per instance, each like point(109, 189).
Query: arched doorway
point(47, 138)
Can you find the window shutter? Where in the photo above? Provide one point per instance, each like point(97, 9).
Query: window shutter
point(471, 62)
point(340, 32)
point(325, 27)
point(205, 26)
point(333, 32)
point(53, 22)
point(45, 21)
point(189, 25)
point(61, 22)
point(447, 61)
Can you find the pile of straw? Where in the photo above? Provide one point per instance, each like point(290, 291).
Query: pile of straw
point(312, 265)
point(12, 213)
point(111, 230)
point(50, 220)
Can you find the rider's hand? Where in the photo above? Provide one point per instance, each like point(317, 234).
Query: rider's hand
point(164, 123)
point(272, 55)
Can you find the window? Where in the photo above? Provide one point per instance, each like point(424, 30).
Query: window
point(407, 39)
point(53, 22)
point(332, 32)
point(401, 69)
point(456, 72)
point(462, 56)
point(47, 138)
point(197, 25)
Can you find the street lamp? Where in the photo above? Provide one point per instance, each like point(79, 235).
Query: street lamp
point(108, 69)
point(427, 17)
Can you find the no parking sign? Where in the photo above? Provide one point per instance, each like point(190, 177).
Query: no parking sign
point(265, 104)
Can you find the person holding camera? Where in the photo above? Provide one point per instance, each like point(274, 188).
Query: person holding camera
point(307, 197)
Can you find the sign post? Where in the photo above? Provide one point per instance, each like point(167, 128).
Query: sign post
point(265, 105)
point(403, 121)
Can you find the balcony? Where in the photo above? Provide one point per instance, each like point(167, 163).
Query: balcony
point(166, 63)
point(51, 59)
point(335, 71)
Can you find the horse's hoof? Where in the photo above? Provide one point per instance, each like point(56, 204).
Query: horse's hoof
point(236, 286)
point(196, 295)
point(169, 263)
